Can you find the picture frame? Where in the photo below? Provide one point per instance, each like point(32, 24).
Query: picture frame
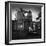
point(10, 7)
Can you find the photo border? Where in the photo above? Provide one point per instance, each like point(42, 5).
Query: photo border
point(7, 39)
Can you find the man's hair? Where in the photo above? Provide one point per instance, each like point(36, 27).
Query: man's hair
point(30, 11)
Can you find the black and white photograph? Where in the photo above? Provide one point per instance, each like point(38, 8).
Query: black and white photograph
point(24, 22)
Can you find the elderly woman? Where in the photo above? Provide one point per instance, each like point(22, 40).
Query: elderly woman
point(28, 21)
